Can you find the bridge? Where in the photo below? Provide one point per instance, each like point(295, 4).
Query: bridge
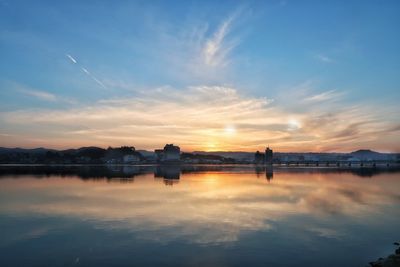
point(337, 163)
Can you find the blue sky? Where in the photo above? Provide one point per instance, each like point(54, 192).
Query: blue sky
point(301, 75)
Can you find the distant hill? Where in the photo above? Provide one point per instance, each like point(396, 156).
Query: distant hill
point(367, 154)
point(39, 150)
point(229, 154)
point(93, 155)
point(362, 154)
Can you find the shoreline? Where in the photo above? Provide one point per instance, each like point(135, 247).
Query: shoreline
point(282, 165)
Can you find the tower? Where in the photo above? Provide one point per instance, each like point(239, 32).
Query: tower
point(268, 156)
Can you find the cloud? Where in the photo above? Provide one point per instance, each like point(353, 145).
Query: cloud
point(196, 119)
point(42, 95)
point(217, 48)
point(323, 58)
point(208, 207)
point(73, 60)
point(324, 96)
point(194, 52)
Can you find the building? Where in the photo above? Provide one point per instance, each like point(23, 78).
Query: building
point(268, 156)
point(131, 158)
point(159, 154)
point(170, 153)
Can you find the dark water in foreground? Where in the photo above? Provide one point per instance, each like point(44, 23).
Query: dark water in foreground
point(196, 216)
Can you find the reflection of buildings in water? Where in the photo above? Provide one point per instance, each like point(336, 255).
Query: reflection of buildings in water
point(118, 171)
point(131, 170)
point(170, 173)
point(259, 170)
point(170, 182)
point(250, 201)
point(269, 173)
point(87, 172)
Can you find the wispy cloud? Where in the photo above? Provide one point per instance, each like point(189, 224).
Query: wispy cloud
point(197, 51)
point(196, 118)
point(323, 58)
point(42, 95)
point(217, 47)
point(324, 96)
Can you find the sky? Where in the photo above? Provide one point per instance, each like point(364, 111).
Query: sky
point(205, 75)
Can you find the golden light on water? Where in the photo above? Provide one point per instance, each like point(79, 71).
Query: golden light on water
point(229, 202)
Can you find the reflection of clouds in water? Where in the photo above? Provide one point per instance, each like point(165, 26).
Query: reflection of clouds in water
point(203, 208)
point(327, 232)
point(346, 200)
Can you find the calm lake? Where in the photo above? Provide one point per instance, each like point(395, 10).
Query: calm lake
point(197, 216)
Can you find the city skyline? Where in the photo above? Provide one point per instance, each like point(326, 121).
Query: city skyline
point(310, 77)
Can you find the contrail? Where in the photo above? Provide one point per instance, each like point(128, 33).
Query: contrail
point(93, 78)
point(71, 58)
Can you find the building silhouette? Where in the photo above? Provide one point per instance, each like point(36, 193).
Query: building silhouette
point(259, 158)
point(159, 154)
point(131, 159)
point(268, 156)
point(170, 153)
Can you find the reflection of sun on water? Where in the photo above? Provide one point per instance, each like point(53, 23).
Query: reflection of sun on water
point(205, 207)
point(210, 179)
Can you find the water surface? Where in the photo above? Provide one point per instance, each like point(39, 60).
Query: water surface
point(196, 216)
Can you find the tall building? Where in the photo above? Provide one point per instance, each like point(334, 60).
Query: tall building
point(268, 156)
point(170, 153)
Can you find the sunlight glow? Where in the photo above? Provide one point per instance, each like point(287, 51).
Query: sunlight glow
point(230, 130)
point(293, 124)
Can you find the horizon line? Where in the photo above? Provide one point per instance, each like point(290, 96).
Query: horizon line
point(208, 151)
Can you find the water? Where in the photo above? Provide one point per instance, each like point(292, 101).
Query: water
point(196, 216)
